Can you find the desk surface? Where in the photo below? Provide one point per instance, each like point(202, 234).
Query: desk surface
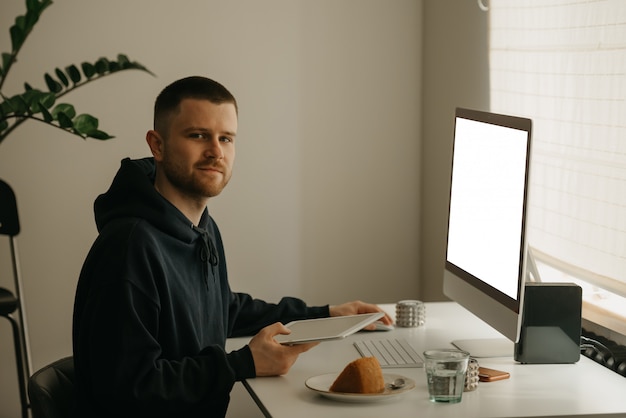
point(584, 388)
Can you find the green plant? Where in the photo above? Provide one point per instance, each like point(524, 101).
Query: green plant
point(42, 106)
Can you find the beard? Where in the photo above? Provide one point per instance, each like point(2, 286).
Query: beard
point(196, 183)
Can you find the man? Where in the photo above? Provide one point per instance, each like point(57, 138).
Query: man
point(153, 305)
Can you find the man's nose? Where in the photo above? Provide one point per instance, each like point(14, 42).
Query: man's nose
point(214, 149)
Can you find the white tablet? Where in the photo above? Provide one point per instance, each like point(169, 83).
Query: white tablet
point(323, 329)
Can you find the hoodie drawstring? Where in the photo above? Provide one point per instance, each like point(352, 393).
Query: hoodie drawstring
point(208, 253)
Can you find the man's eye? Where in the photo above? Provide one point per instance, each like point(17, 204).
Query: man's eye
point(196, 135)
point(226, 139)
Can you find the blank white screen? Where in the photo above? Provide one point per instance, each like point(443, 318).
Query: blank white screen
point(486, 203)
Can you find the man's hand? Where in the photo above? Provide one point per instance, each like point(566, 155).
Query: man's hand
point(358, 307)
point(272, 358)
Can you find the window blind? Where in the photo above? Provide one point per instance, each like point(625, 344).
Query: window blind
point(562, 63)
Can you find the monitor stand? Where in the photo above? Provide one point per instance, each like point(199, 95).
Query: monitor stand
point(486, 347)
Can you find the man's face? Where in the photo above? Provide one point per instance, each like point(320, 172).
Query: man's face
point(199, 150)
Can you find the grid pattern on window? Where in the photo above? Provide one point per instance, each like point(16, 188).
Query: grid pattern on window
point(562, 63)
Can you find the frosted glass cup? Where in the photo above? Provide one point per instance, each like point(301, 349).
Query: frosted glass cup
point(445, 374)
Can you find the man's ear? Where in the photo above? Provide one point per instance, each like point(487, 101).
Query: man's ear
point(155, 142)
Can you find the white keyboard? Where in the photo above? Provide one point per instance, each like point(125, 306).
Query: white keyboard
point(390, 352)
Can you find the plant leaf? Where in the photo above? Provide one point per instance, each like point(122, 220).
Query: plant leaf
point(63, 108)
point(47, 99)
point(46, 115)
point(102, 66)
point(31, 98)
point(97, 134)
point(88, 69)
point(53, 85)
point(34, 99)
point(31, 5)
point(29, 21)
point(85, 124)
point(61, 76)
point(37, 7)
point(6, 59)
point(5, 108)
point(114, 66)
point(123, 60)
point(20, 22)
point(44, 4)
point(17, 37)
point(74, 74)
point(65, 121)
point(16, 105)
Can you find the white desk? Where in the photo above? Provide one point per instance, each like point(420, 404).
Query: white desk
point(584, 388)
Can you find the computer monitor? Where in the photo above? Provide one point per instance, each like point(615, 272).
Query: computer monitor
point(486, 248)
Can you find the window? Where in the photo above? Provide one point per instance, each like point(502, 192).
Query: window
point(562, 63)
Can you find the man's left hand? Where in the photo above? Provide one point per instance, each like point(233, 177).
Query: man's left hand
point(358, 307)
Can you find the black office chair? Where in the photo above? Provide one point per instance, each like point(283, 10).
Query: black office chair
point(51, 390)
point(9, 303)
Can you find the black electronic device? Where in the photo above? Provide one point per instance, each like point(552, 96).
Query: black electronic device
point(551, 324)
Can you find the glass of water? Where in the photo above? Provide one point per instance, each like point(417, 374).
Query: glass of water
point(445, 374)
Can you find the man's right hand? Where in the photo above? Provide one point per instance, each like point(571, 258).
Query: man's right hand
point(272, 358)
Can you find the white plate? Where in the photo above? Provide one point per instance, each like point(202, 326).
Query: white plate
point(321, 384)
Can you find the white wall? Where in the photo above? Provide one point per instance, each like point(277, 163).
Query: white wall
point(325, 200)
point(455, 73)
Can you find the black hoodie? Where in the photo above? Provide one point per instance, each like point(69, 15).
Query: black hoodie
point(153, 309)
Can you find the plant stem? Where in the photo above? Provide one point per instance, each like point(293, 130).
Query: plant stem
point(22, 119)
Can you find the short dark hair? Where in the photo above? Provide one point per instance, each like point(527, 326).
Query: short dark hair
point(195, 87)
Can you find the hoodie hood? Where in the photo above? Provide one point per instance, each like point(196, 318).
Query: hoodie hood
point(132, 195)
